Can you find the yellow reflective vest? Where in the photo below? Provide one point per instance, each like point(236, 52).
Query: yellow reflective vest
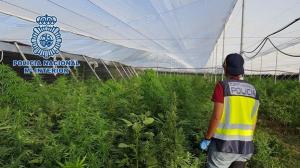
point(235, 130)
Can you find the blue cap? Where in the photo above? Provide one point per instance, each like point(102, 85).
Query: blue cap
point(234, 64)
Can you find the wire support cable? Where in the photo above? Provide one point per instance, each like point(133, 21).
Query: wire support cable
point(287, 54)
point(260, 46)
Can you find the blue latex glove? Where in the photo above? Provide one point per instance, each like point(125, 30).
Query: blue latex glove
point(204, 144)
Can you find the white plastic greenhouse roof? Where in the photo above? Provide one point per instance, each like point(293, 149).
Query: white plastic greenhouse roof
point(160, 33)
point(263, 17)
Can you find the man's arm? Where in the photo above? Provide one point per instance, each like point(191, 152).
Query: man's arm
point(215, 119)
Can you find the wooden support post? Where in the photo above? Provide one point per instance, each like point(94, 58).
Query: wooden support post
point(118, 70)
point(91, 68)
point(24, 58)
point(110, 74)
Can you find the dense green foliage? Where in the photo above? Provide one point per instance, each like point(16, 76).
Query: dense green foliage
point(280, 102)
point(141, 122)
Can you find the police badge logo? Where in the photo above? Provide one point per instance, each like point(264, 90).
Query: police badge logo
point(46, 38)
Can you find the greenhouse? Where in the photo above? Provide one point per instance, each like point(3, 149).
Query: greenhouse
point(149, 83)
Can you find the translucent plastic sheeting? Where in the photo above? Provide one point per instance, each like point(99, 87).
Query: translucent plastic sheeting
point(263, 17)
point(10, 31)
point(159, 33)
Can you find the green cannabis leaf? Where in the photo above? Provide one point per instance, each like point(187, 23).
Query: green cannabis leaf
point(148, 121)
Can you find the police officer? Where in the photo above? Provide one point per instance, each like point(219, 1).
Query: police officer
point(229, 138)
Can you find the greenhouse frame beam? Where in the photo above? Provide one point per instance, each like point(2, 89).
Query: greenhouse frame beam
point(118, 70)
point(27, 50)
point(24, 57)
point(63, 58)
point(135, 71)
point(91, 68)
point(129, 74)
point(2, 55)
point(129, 71)
point(124, 70)
point(110, 74)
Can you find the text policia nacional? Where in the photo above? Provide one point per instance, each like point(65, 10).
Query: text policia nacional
point(46, 66)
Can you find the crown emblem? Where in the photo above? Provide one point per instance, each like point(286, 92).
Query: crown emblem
point(46, 20)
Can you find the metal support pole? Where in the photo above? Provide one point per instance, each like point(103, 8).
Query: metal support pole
point(242, 27)
point(1, 58)
point(260, 67)
point(157, 65)
point(133, 70)
point(23, 56)
point(91, 68)
point(276, 67)
point(118, 70)
point(216, 61)
point(212, 65)
point(128, 70)
point(223, 50)
point(63, 58)
point(137, 74)
point(251, 74)
point(54, 67)
point(124, 70)
point(299, 74)
point(171, 70)
point(83, 70)
point(110, 74)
